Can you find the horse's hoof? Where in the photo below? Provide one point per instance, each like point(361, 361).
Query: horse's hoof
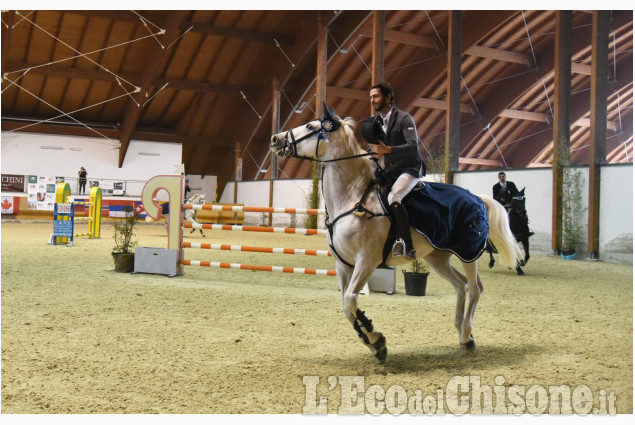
point(381, 352)
point(520, 271)
point(382, 355)
point(491, 264)
point(521, 263)
point(469, 346)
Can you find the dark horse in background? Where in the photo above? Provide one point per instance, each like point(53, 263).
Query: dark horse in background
point(519, 225)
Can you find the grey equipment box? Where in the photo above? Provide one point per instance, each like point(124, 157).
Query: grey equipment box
point(383, 280)
point(157, 261)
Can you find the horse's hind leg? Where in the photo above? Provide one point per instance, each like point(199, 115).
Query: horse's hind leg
point(525, 243)
point(519, 271)
point(475, 287)
point(440, 263)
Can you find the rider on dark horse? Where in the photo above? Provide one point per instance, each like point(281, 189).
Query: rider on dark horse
point(513, 200)
point(392, 135)
point(504, 191)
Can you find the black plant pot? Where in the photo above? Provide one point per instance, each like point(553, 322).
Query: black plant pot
point(124, 262)
point(415, 283)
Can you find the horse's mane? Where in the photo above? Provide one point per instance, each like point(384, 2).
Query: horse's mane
point(348, 127)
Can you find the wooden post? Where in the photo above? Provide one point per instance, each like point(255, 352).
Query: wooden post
point(322, 59)
point(238, 175)
point(561, 124)
point(275, 128)
point(453, 97)
point(379, 35)
point(597, 151)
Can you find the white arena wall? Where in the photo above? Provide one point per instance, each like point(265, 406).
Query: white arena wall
point(616, 203)
point(22, 153)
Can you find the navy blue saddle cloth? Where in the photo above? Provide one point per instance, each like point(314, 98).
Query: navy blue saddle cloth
point(450, 217)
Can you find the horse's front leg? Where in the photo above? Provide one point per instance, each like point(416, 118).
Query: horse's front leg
point(351, 282)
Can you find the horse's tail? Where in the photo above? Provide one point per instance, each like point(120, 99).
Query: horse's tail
point(500, 233)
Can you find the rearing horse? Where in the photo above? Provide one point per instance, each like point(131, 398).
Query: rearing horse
point(357, 235)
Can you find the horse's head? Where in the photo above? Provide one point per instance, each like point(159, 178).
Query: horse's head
point(518, 201)
point(309, 141)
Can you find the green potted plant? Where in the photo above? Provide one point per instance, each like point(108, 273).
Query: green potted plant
point(123, 251)
point(416, 278)
point(572, 212)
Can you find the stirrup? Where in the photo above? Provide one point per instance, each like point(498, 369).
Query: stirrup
point(399, 248)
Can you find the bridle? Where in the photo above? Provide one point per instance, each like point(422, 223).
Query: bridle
point(327, 125)
point(290, 146)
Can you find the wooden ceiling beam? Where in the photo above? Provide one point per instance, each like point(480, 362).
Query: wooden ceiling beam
point(499, 54)
point(477, 161)
point(402, 37)
point(525, 115)
point(580, 68)
point(254, 36)
point(464, 108)
point(586, 122)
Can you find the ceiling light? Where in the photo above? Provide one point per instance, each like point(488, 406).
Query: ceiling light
point(149, 153)
point(55, 148)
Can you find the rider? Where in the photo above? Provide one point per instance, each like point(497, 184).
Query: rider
point(392, 136)
point(504, 190)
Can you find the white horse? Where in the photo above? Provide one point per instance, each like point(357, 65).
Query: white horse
point(191, 215)
point(358, 238)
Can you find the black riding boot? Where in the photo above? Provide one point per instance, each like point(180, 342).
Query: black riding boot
point(403, 244)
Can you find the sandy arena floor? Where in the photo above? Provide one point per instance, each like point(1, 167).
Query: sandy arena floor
point(79, 338)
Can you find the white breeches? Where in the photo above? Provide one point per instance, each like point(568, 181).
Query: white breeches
point(403, 185)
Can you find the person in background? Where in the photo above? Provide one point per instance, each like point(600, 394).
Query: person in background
point(187, 189)
point(82, 174)
point(504, 191)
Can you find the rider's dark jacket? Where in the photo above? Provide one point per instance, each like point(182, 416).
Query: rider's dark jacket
point(504, 195)
point(401, 136)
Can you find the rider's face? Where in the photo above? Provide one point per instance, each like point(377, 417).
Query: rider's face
point(501, 178)
point(377, 100)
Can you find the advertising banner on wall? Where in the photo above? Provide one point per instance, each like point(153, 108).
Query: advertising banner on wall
point(12, 183)
point(40, 193)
